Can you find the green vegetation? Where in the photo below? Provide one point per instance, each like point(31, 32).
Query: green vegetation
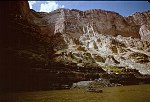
point(99, 59)
point(73, 56)
point(88, 58)
point(121, 50)
point(81, 48)
point(135, 93)
point(114, 49)
point(114, 69)
point(139, 57)
point(117, 43)
point(90, 65)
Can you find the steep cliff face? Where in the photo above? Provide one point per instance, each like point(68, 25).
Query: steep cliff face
point(23, 48)
point(142, 19)
point(105, 34)
point(11, 8)
point(27, 48)
point(74, 22)
point(94, 48)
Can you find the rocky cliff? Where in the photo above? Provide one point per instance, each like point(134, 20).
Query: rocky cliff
point(74, 22)
point(28, 44)
point(41, 50)
point(105, 34)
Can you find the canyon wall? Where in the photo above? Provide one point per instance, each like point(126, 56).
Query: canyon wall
point(74, 22)
point(46, 50)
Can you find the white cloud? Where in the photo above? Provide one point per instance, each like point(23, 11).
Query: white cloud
point(50, 6)
point(31, 3)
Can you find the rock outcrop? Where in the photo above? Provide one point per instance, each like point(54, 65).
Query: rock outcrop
point(28, 44)
point(74, 22)
point(142, 19)
point(103, 33)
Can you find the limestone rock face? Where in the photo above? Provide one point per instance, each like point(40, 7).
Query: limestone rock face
point(143, 19)
point(79, 36)
point(112, 51)
point(74, 22)
point(145, 32)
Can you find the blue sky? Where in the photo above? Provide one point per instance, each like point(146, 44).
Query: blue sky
point(124, 8)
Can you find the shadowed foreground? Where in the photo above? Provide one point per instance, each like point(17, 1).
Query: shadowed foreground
point(136, 93)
